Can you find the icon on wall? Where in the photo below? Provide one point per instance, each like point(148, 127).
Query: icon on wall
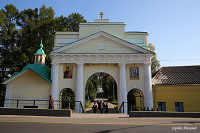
point(134, 73)
point(68, 71)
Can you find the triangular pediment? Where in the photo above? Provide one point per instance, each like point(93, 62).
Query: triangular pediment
point(39, 69)
point(101, 42)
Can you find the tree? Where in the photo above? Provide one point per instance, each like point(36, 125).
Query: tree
point(104, 81)
point(60, 23)
point(40, 24)
point(36, 25)
point(21, 33)
point(155, 64)
point(91, 87)
point(8, 39)
point(73, 21)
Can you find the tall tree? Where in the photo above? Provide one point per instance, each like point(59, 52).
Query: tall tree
point(73, 21)
point(104, 81)
point(41, 24)
point(155, 64)
point(36, 25)
point(28, 21)
point(60, 23)
point(8, 39)
point(21, 33)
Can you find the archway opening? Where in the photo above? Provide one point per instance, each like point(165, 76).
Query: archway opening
point(101, 87)
point(135, 100)
point(67, 99)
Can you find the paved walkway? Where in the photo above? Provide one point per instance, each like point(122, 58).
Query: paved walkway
point(74, 115)
point(111, 107)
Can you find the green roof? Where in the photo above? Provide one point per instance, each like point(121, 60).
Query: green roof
point(40, 51)
point(15, 73)
point(40, 69)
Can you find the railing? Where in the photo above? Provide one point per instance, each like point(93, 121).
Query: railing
point(81, 106)
point(121, 108)
point(33, 103)
point(17, 102)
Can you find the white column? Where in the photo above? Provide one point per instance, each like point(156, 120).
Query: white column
point(123, 89)
point(148, 99)
point(79, 87)
point(54, 85)
point(8, 95)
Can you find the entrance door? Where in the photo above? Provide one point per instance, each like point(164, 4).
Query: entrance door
point(135, 100)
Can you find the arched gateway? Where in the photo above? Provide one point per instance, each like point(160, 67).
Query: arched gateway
point(101, 46)
point(101, 86)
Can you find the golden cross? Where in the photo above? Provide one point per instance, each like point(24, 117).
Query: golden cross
point(101, 14)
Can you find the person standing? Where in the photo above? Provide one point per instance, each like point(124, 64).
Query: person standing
point(102, 107)
point(95, 107)
point(51, 102)
point(106, 107)
point(99, 105)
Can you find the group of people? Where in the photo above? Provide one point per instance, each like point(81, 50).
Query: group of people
point(101, 106)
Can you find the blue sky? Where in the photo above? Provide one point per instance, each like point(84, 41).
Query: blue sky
point(173, 25)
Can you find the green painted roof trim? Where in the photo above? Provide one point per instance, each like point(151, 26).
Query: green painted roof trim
point(15, 73)
point(42, 70)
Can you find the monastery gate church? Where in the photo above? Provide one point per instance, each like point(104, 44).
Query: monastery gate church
point(99, 47)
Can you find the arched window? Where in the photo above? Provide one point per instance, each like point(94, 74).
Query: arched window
point(67, 99)
point(135, 100)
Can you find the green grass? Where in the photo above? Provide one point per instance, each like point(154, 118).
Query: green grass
point(88, 104)
point(114, 102)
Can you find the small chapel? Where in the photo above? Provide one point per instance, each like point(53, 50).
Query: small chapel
point(99, 47)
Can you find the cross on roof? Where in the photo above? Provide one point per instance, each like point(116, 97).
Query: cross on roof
point(101, 14)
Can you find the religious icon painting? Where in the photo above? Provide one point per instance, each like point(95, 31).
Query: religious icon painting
point(134, 73)
point(68, 71)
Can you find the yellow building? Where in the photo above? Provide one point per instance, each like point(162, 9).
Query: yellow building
point(33, 82)
point(98, 47)
point(177, 89)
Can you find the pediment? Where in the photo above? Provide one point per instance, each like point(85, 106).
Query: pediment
point(101, 42)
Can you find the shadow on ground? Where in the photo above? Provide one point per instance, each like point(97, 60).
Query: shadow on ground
point(121, 129)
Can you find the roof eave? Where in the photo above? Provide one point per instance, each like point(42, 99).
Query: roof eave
point(146, 51)
point(12, 78)
point(21, 73)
